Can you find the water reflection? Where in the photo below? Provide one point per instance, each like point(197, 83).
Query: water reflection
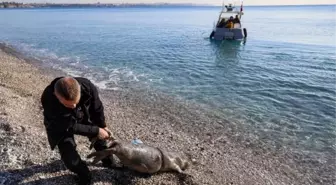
point(227, 52)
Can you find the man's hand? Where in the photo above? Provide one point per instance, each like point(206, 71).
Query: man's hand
point(103, 134)
point(110, 134)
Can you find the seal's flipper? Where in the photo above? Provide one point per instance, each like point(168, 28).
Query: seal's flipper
point(141, 168)
point(97, 156)
point(93, 141)
point(101, 154)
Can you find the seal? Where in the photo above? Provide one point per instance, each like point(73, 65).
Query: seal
point(143, 158)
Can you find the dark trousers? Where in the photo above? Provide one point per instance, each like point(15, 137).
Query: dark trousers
point(73, 161)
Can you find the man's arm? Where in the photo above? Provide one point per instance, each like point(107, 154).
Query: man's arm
point(65, 123)
point(61, 123)
point(96, 109)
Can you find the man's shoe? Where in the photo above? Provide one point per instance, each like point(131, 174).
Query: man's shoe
point(108, 162)
point(84, 180)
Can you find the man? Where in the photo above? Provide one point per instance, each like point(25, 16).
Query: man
point(236, 20)
point(72, 106)
point(229, 23)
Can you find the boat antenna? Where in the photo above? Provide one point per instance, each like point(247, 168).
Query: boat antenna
point(241, 9)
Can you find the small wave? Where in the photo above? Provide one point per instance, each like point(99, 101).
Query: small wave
point(110, 78)
point(105, 77)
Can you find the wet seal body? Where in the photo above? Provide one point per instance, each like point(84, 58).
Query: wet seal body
point(143, 158)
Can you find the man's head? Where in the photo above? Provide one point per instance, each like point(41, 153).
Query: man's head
point(67, 91)
point(236, 16)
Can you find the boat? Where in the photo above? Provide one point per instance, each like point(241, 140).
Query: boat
point(228, 25)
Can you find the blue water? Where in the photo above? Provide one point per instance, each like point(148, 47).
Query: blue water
point(280, 82)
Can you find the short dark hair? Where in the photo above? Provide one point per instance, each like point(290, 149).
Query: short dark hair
point(68, 88)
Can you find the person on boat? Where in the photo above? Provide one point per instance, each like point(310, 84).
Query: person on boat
point(229, 23)
point(71, 106)
point(236, 20)
point(221, 24)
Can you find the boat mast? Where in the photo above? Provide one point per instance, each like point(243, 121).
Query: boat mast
point(220, 14)
point(241, 10)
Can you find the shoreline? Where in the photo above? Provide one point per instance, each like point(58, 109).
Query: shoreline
point(14, 5)
point(222, 158)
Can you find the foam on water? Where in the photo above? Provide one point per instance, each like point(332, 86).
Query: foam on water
point(104, 77)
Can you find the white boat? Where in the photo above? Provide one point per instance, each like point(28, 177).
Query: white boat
point(228, 26)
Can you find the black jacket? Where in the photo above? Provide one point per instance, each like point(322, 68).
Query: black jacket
point(84, 120)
